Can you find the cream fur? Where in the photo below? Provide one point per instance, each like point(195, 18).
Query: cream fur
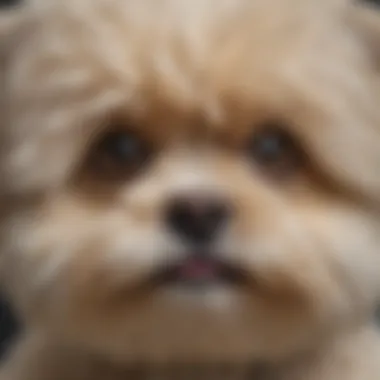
point(195, 78)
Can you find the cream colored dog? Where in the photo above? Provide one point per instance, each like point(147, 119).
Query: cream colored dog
point(191, 182)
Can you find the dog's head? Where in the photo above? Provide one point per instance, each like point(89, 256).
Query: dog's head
point(191, 178)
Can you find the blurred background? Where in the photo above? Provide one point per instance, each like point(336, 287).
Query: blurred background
point(9, 326)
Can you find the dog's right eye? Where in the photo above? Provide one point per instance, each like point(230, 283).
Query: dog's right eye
point(120, 153)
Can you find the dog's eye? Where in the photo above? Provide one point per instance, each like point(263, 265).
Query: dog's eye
point(274, 150)
point(121, 153)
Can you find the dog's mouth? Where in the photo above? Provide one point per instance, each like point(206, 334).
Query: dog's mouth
point(200, 270)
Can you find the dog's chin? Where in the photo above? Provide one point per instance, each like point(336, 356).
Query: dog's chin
point(194, 321)
point(199, 307)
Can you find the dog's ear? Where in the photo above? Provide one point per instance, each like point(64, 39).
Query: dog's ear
point(364, 19)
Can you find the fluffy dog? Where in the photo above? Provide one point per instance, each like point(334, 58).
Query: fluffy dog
point(191, 182)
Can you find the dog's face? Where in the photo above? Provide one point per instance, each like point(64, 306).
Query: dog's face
point(190, 179)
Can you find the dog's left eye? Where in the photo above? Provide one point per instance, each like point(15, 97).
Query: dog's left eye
point(121, 153)
point(274, 150)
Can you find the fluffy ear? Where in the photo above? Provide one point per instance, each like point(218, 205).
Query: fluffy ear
point(364, 18)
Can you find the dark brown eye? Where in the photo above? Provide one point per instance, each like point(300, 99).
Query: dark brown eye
point(120, 153)
point(274, 150)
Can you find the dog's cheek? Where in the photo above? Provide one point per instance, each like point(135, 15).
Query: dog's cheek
point(51, 249)
point(348, 242)
point(318, 257)
point(38, 254)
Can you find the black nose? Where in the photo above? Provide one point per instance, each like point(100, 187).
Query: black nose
point(197, 219)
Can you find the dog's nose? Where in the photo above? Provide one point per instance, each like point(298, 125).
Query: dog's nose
point(197, 219)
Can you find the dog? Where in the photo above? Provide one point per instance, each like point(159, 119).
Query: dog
point(191, 183)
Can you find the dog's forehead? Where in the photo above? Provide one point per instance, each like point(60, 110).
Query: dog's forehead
point(178, 52)
point(79, 59)
point(173, 62)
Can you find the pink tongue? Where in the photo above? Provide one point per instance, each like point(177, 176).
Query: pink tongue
point(195, 269)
